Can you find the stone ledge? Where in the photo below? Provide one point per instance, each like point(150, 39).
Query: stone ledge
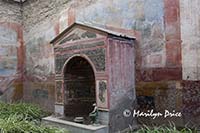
point(75, 127)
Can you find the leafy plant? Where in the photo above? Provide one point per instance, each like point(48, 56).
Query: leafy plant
point(24, 118)
point(29, 111)
point(163, 129)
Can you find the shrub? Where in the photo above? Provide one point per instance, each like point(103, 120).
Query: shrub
point(29, 111)
point(23, 118)
point(164, 129)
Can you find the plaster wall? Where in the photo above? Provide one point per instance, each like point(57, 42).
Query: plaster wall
point(11, 51)
point(43, 20)
point(167, 33)
point(190, 34)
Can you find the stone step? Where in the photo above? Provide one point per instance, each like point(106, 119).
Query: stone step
point(74, 127)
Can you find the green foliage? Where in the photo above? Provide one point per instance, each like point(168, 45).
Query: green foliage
point(163, 129)
point(23, 118)
point(28, 111)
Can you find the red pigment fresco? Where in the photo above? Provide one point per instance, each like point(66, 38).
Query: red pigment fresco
point(17, 79)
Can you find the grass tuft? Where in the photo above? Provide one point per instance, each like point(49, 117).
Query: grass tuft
point(24, 118)
point(163, 129)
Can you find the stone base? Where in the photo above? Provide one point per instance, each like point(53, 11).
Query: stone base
point(59, 110)
point(74, 127)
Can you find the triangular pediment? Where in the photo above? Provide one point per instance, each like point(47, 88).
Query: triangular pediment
point(78, 33)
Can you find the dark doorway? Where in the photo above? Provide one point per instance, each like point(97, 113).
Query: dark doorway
point(79, 88)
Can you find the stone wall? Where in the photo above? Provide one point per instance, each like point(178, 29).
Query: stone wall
point(190, 33)
point(167, 44)
point(190, 36)
point(11, 51)
point(41, 24)
point(43, 20)
point(10, 12)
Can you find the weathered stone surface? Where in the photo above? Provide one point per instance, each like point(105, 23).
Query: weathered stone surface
point(161, 96)
point(161, 26)
point(10, 12)
point(11, 51)
point(59, 92)
point(143, 16)
point(8, 51)
point(172, 33)
point(43, 20)
point(38, 12)
point(102, 89)
point(191, 102)
point(7, 36)
point(190, 34)
point(122, 94)
point(36, 91)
